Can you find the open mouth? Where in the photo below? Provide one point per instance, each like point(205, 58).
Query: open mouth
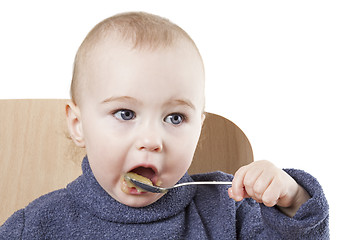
point(143, 174)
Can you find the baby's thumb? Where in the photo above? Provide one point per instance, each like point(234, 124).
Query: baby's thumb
point(233, 196)
point(230, 192)
point(237, 197)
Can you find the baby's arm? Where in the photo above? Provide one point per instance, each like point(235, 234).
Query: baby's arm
point(267, 184)
point(13, 227)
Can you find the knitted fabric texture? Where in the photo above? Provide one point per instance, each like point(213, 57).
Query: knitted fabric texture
point(84, 210)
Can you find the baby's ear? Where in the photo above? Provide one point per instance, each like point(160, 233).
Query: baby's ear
point(74, 124)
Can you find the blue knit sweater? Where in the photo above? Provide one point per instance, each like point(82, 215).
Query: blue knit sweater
point(83, 210)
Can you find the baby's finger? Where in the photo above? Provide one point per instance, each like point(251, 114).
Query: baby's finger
point(271, 195)
point(237, 198)
point(261, 184)
point(237, 191)
point(250, 179)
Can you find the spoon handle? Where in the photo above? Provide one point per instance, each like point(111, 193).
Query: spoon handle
point(202, 183)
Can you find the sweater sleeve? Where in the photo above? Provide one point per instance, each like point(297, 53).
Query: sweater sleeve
point(13, 227)
point(310, 221)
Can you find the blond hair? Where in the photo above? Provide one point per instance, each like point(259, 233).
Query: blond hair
point(143, 30)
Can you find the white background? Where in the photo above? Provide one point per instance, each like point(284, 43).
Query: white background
point(275, 68)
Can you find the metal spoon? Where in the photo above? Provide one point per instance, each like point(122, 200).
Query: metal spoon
point(155, 189)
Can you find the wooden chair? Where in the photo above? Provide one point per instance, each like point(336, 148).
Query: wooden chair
point(37, 156)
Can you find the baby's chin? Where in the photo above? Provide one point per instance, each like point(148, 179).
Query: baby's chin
point(138, 201)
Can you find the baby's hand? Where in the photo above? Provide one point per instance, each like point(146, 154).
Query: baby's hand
point(267, 184)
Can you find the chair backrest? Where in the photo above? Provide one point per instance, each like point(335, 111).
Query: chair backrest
point(37, 156)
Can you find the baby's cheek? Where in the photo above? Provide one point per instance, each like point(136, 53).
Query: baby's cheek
point(181, 161)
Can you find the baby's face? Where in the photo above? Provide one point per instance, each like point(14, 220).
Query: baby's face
point(142, 111)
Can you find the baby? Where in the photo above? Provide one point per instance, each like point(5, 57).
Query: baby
point(137, 105)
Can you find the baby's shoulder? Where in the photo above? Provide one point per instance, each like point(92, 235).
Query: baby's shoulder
point(41, 213)
point(48, 206)
point(49, 200)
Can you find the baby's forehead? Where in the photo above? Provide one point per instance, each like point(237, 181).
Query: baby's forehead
point(113, 51)
point(118, 65)
point(114, 46)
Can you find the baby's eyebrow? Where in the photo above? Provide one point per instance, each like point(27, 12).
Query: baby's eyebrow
point(120, 99)
point(171, 102)
point(181, 102)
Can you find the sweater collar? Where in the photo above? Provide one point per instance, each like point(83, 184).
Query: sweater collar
point(90, 196)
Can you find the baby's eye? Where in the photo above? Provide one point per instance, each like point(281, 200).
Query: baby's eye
point(175, 118)
point(125, 114)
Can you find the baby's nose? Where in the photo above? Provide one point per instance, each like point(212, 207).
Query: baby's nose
point(150, 140)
